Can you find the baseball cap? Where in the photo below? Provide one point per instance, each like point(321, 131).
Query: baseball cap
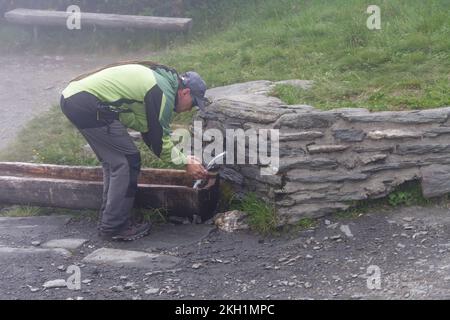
point(193, 81)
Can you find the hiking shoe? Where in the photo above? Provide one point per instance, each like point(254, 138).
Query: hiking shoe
point(132, 233)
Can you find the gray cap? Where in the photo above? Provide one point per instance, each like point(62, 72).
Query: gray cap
point(193, 81)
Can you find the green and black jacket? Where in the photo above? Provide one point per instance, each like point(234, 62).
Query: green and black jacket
point(145, 99)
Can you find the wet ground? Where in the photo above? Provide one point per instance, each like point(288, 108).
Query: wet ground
point(401, 254)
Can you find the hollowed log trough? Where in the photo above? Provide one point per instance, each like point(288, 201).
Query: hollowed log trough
point(77, 187)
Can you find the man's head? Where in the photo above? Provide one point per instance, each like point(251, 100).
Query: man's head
point(191, 92)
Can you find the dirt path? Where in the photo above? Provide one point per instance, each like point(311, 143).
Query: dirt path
point(395, 254)
point(30, 84)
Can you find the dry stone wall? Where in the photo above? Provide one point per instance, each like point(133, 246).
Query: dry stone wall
point(329, 159)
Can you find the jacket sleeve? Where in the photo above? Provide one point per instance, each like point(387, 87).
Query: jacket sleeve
point(157, 138)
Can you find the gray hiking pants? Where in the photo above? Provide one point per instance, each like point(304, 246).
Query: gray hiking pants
point(121, 162)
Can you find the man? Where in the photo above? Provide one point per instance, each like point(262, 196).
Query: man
point(137, 95)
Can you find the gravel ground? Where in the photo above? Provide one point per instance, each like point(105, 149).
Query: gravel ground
point(336, 259)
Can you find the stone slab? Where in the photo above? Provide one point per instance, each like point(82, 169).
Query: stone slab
point(128, 258)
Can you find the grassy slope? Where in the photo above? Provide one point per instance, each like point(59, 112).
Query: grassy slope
point(403, 66)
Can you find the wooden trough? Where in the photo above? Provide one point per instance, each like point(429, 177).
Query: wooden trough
point(76, 187)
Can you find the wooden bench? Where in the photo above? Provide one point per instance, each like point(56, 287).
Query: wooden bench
point(59, 18)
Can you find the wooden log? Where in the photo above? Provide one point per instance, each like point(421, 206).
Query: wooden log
point(147, 176)
point(81, 188)
point(59, 18)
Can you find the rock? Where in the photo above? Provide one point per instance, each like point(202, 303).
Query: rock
point(307, 163)
point(336, 237)
point(33, 289)
point(434, 132)
point(130, 285)
point(36, 243)
point(302, 135)
point(152, 291)
point(305, 120)
point(333, 226)
point(402, 117)
point(68, 243)
point(308, 285)
point(374, 158)
point(435, 180)
point(422, 149)
point(393, 134)
point(370, 148)
point(329, 159)
point(86, 281)
point(117, 288)
point(346, 230)
point(231, 221)
point(61, 268)
point(395, 166)
point(123, 277)
point(231, 175)
point(252, 172)
point(134, 259)
point(323, 176)
point(326, 148)
point(196, 265)
point(349, 135)
point(58, 283)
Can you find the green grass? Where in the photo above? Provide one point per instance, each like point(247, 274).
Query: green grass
point(405, 65)
point(261, 215)
point(21, 211)
point(30, 211)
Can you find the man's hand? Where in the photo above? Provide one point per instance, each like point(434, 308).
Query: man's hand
point(195, 168)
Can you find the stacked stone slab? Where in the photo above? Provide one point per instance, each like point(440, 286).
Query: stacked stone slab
point(330, 159)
